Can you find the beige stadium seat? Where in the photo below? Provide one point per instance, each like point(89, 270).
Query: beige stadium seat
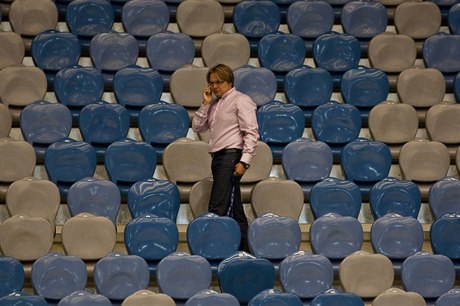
point(12, 49)
point(457, 160)
point(365, 274)
point(199, 196)
point(146, 297)
point(231, 49)
point(418, 20)
point(26, 238)
point(279, 196)
point(397, 296)
point(6, 121)
point(88, 236)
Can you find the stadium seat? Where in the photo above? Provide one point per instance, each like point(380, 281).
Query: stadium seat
point(333, 296)
point(43, 123)
point(98, 197)
point(457, 161)
point(148, 297)
point(393, 195)
point(257, 82)
point(199, 196)
point(22, 298)
point(420, 25)
point(440, 125)
point(154, 196)
point(443, 238)
point(151, 238)
point(82, 298)
point(6, 121)
point(443, 197)
point(231, 49)
point(12, 50)
point(12, 277)
point(451, 297)
point(210, 297)
point(275, 296)
point(453, 20)
point(392, 295)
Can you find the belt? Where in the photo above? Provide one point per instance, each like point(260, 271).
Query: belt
point(225, 151)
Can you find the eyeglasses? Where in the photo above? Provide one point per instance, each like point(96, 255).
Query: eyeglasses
point(215, 83)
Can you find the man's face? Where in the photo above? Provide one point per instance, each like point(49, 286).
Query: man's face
point(218, 86)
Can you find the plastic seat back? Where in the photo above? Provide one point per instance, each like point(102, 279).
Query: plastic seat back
point(209, 297)
point(231, 49)
point(440, 123)
point(82, 298)
point(147, 297)
point(6, 121)
point(420, 25)
point(183, 83)
point(443, 196)
point(23, 299)
point(12, 277)
point(392, 53)
point(443, 227)
point(200, 18)
point(364, 20)
point(453, 19)
point(333, 296)
point(257, 82)
point(451, 297)
point(13, 49)
point(388, 298)
point(199, 196)
point(275, 296)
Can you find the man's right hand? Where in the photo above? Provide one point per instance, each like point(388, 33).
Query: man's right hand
point(207, 95)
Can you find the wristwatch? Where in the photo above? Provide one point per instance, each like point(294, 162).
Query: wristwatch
point(245, 165)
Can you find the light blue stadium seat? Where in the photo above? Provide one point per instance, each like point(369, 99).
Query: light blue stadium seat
point(87, 18)
point(393, 195)
point(244, 276)
point(453, 20)
point(154, 196)
point(53, 50)
point(337, 297)
point(336, 124)
point(12, 275)
point(162, 123)
point(279, 124)
point(47, 270)
point(117, 275)
point(112, 51)
point(306, 161)
point(308, 88)
point(397, 238)
point(83, 298)
point(43, 123)
point(333, 195)
point(78, 86)
point(68, 161)
point(259, 83)
point(210, 297)
point(443, 197)
point(95, 196)
point(306, 275)
point(152, 238)
point(336, 237)
point(255, 19)
point(21, 298)
point(273, 296)
point(450, 298)
point(281, 53)
point(213, 237)
point(181, 275)
point(444, 239)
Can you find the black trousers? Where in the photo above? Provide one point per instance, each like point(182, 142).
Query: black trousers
point(226, 190)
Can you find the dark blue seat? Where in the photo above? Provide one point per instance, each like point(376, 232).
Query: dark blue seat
point(397, 238)
point(444, 238)
point(333, 195)
point(279, 124)
point(43, 123)
point(112, 51)
point(135, 87)
point(336, 53)
point(78, 86)
point(255, 19)
point(103, 123)
point(364, 88)
point(52, 50)
point(306, 161)
point(213, 237)
point(308, 88)
point(68, 161)
point(128, 161)
point(87, 18)
point(22, 298)
point(152, 238)
point(281, 53)
point(450, 298)
point(453, 19)
point(277, 297)
point(83, 298)
point(210, 297)
point(94, 196)
point(392, 195)
point(244, 276)
point(12, 276)
point(443, 197)
point(162, 123)
point(457, 87)
point(154, 196)
point(69, 270)
point(257, 82)
point(337, 297)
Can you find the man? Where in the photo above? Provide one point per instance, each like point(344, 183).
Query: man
point(230, 117)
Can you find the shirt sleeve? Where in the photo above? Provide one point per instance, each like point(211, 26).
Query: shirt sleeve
point(249, 127)
point(200, 119)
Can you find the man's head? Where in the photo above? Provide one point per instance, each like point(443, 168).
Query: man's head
point(220, 79)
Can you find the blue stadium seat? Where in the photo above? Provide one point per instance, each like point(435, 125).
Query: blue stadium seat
point(68, 161)
point(12, 276)
point(453, 20)
point(397, 238)
point(112, 51)
point(43, 123)
point(444, 6)
point(450, 298)
point(259, 83)
point(78, 86)
point(337, 297)
point(87, 18)
point(135, 87)
point(95, 196)
point(117, 275)
point(152, 238)
point(154, 196)
point(336, 53)
point(255, 19)
point(213, 237)
point(336, 124)
point(83, 298)
point(21, 298)
point(143, 18)
point(333, 195)
point(128, 161)
point(279, 124)
point(306, 161)
point(443, 238)
point(53, 50)
point(308, 88)
point(456, 88)
point(277, 297)
point(103, 123)
point(443, 197)
point(244, 276)
point(162, 123)
point(393, 195)
point(69, 270)
point(210, 297)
